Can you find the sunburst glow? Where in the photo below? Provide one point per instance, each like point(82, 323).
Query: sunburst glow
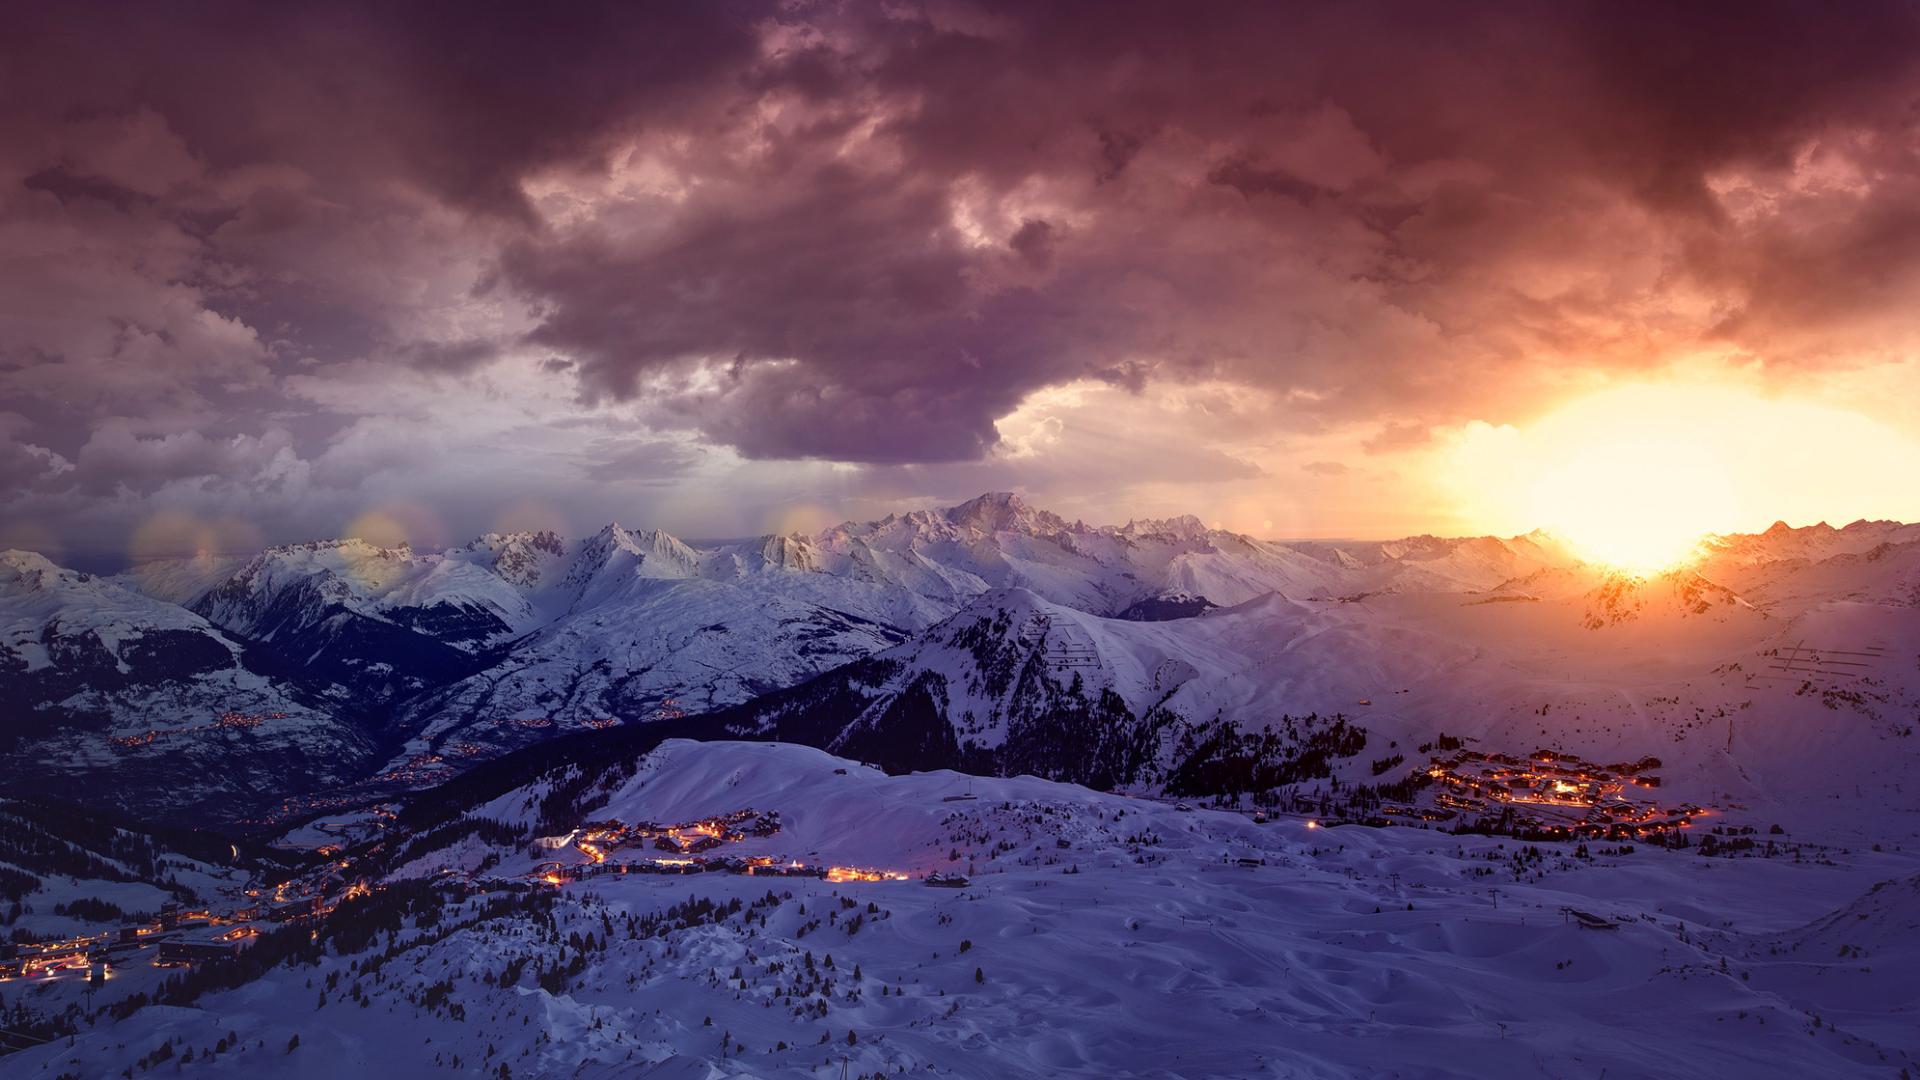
point(1637, 504)
point(1636, 477)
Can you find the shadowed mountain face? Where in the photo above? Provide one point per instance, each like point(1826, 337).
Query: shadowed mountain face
point(146, 705)
point(991, 635)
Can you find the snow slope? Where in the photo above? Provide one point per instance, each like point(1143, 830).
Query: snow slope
point(1799, 713)
point(1098, 936)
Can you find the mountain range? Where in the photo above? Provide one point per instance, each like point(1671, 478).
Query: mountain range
point(990, 635)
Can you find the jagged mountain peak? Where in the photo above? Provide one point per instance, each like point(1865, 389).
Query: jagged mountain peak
point(345, 545)
point(1183, 527)
point(616, 554)
point(1678, 593)
point(654, 545)
point(538, 539)
point(18, 562)
point(790, 552)
point(994, 510)
point(522, 558)
point(1004, 511)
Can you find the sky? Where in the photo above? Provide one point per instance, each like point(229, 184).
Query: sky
point(425, 270)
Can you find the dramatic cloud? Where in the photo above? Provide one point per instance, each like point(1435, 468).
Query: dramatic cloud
point(301, 259)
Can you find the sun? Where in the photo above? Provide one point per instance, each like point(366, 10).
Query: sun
point(1641, 504)
point(1634, 477)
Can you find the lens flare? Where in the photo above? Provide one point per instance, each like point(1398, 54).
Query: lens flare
point(31, 536)
point(171, 534)
point(377, 528)
point(802, 518)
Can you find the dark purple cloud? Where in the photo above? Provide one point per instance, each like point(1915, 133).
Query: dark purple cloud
point(867, 233)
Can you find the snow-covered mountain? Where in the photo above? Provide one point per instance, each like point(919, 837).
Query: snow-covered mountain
point(1304, 699)
point(141, 703)
point(990, 634)
point(516, 637)
point(643, 625)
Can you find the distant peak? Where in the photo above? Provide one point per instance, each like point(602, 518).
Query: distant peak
point(1185, 526)
point(614, 534)
point(991, 502)
point(992, 512)
point(543, 539)
point(340, 543)
point(27, 561)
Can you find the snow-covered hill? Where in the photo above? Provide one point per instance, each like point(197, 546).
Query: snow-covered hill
point(1082, 934)
point(67, 871)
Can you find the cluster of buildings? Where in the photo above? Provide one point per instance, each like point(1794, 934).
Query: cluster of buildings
point(596, 839)
point(684, 843)
point(1548, 792)
point(419, 769)
point(226, 721)
point(178, 937)
point(683, 848)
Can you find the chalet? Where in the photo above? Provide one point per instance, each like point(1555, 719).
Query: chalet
point(786, 870)
point(293, 909)
point(946, 881)
point(677, 866)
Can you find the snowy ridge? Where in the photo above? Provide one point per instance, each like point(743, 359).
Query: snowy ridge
point(373, 582)
point(45, 604)
point(448, 658)
point(106, 684)
point(1761, 707)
